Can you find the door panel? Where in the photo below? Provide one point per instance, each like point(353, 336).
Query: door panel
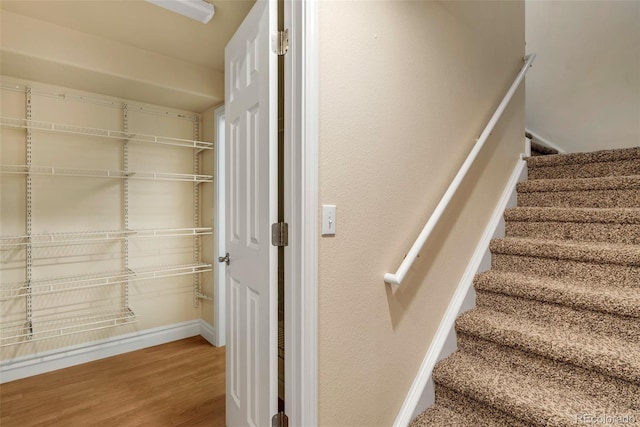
point(251, 208)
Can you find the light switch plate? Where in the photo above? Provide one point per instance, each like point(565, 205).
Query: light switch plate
point(328, 220)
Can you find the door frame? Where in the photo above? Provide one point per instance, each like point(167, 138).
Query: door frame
point(220, 273)
point(301, 212)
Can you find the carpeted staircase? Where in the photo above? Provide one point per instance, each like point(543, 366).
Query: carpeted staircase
point(554, 339)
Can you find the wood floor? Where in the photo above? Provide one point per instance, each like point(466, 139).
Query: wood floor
point(177, 384)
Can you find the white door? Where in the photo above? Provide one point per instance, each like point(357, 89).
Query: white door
point(251, 208)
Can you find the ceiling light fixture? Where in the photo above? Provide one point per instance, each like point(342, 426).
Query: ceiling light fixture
point(199, 10)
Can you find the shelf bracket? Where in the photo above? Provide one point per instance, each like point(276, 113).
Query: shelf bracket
point(201, 295)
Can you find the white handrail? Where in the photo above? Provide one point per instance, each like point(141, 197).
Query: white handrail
point(396, 278)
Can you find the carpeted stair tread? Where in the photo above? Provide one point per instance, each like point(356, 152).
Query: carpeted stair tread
point(602, 192)
point(579, 224)
point(440, 415)
point(629, 182)
point(586, 170)
point(594, 274)
point(597, 252)
point(528, 397)
point(577, 215)
point(477, 413)
point(574, 345)
point(617, 326)
point(602, 156)
point(576, 294)
point(620, 393)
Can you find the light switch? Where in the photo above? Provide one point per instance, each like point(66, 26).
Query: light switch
point(328, 220)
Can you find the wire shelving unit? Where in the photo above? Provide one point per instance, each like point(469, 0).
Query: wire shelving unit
point(42, 322)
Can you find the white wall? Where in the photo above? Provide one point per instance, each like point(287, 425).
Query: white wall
point(583, 93)
point(405, 90)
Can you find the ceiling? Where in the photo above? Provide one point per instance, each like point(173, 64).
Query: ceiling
point(143, 25)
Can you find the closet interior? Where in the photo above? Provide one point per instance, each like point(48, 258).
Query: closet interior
point(106, 218)
point(108, 175)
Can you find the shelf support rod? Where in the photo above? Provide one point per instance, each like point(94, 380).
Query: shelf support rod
point(196, 214)
point(28, 256)
point(125, 208)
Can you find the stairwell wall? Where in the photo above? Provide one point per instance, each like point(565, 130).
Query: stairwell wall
point(585, 93)
point(405, 90)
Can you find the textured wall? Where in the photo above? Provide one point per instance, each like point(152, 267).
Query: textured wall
point(584, 93)
point(41, 51)
point(405, 89)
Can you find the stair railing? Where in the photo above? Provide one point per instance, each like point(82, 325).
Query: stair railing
point(396, 278)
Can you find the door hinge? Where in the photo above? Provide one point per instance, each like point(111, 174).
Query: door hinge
point(280, 420)
point(280, 42)
point(280, 234)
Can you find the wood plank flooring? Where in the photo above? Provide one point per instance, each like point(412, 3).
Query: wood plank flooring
point(177, 384)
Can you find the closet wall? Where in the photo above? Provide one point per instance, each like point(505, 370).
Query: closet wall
point(104, 234)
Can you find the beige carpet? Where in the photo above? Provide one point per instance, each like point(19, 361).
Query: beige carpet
point(554, 339)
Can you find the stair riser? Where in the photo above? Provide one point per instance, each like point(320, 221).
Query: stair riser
point(587, 170)
point(580, 231)
point(618, 392)
point(592, 273)
point(622, 327)
point(626, 198)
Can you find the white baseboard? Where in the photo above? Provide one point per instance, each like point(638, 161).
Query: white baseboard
point(420, 395)
point(208, 332)
point(545, 141)
point(40, 363)
point(527, 147)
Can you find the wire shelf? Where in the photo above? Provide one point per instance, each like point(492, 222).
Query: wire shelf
point(98, 173)
point(59, 326)
point(67, 96)
point(36, 125)
point(87, 281)
point(74, 238)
